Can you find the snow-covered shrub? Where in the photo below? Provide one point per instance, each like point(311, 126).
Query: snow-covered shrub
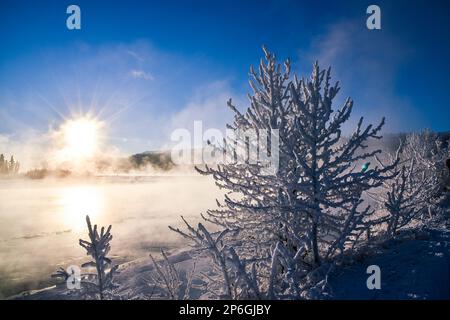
point(280, 231)
point(417, 192)
point(429, 154)
point(98, 247)
point(403, 197)
point(447, 176)
point(169, 279)
point(92, 285)
point(229, 278)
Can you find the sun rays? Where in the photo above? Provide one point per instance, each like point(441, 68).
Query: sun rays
point(81, 137)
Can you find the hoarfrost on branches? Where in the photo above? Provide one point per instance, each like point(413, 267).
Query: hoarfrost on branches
point(170, 280)
point(99, 284)
point(278, 230)
point(416, 193)
point(98, 248)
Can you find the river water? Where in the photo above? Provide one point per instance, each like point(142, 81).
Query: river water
point(42, 220)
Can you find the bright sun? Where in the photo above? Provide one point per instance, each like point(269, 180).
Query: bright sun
point(81, 137)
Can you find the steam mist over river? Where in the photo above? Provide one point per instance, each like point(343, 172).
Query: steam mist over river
point(42, 220)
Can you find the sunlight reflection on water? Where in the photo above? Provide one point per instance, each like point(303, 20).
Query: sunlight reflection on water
point(77, 202)
point(41, 221)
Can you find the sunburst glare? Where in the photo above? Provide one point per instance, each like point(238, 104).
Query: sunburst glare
point(79, 138)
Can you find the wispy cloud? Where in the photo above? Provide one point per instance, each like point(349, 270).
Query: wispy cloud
point(367, 64)
point(208, 104)
point(141, 74)
point(135, 55)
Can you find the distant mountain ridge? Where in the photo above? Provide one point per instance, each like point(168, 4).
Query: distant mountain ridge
point(157, 159)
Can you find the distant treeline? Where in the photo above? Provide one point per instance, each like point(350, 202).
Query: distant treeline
point(158, 160)
point(8, 167)
point(44, 173)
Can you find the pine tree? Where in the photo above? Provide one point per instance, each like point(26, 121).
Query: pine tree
point(16, 167)
point(254, 214)
point(99, 284)
point(98, 248)
point(283, 226)
point(11, 165)
point(330, 185)
point(3, 164)
point(8, 167)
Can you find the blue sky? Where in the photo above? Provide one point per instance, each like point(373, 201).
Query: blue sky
point(147, 67)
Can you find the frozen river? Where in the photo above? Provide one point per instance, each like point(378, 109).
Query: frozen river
point(42, 220)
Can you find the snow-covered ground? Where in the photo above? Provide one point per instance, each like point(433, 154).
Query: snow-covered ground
point(411, 268)
point(414, 266)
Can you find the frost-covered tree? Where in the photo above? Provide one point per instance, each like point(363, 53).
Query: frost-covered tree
point(98, 247)
point(416, 192)
point(447, 177)
point(229, 278)
point(99, 284)
point(331, 183)
point(277, 228)
point(429, 154)
point(404, 197)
